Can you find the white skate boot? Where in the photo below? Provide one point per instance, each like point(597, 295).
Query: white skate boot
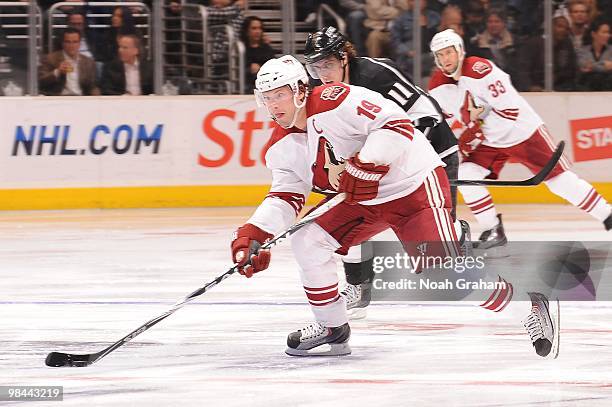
point(543, 324)
point(318, 340)
point(357, 298)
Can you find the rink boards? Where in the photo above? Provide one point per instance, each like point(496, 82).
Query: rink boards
point(155, 151)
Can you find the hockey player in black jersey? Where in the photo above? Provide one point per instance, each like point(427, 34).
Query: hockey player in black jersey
point(330, 57)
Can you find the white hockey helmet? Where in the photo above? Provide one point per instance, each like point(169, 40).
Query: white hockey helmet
point(280, 72)
point(445, 39)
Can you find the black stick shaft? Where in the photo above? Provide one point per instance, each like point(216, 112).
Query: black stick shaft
point(535, 180)
point(88, 359)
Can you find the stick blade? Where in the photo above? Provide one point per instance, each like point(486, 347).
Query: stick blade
point(59, 359)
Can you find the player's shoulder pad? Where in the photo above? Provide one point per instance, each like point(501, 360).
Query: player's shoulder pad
point(438, 79)
point(278, 134)
point(378, 74)
point(326, 97)
point(373, 67)
point(476, 67)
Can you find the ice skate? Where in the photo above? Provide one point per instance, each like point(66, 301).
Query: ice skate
point(543, 324)
point(318, 340)
point(608, 222)
point(493, 241)
point(357, 298)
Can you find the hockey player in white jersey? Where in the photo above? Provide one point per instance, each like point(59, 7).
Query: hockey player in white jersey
point(330, 57)
point(340, 138)
point(343, 138)
point(500, 125)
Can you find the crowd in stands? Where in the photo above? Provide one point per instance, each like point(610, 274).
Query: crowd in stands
point(115, 61)
point(509, 32)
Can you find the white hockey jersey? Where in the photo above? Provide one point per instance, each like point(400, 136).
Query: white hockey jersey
point(342, 121)
point(484, 94)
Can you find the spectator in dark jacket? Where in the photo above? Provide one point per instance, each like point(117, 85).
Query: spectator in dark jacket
point(89, 41)
point(531, 77)
point(496, 43)
point(595, 57)
point(130, 74)
point(122, 23)
point(258, 51)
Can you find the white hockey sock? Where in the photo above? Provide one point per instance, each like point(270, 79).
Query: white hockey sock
point(477, 198)
point(359, 253)
point(481, 204)
point(313, 249)
point(580, 194)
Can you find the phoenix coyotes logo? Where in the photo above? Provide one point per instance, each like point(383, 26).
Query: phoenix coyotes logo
point(332, 93)
point(481, 67)
point(327, 167)
point(470, 112)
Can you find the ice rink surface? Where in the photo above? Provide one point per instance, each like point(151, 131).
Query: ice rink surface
point(76, 281)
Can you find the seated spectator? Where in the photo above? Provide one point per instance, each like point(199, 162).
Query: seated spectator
point(593, 9)
point(355, 15)
point(595, 58)
point(579, 18)
point(122, 23)
point(451, 15)
point(67, 72)
point(452, 18)
point(531, 76)
point(258, 50)
point(474, 21)
point(88, 46)
point(496, 43)
point(527, 16)
point(130, 74)
point(380, 17)
point(402, 40)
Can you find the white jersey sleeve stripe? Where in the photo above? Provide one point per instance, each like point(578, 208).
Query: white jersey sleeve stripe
point(397, 97)
point(403, 89)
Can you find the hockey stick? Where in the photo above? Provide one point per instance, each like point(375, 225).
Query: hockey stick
point(535, 180)
point(59, 359)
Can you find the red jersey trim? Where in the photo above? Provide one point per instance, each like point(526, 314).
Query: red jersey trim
point(296, 201)
point(277, 135)
point(476, 67)
point(438, 79)
point(326, 97)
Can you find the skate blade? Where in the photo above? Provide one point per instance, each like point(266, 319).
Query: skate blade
point(357, 313)
point(326, 349)
point(556, 319)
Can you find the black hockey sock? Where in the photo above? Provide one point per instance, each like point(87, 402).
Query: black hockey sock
point(357, 273)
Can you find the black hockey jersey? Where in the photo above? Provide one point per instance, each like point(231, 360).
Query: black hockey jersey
point(382, 75)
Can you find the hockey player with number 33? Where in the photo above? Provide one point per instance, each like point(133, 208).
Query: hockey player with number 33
point(340, 138)
point(500, 125)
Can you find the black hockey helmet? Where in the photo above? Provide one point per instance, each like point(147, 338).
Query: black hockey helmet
point(323, 43)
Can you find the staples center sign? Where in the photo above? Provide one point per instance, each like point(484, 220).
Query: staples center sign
point(592, 138)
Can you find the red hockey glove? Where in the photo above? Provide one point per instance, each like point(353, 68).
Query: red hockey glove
point(360, 180)
point(245, 249)
point(470, 139)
